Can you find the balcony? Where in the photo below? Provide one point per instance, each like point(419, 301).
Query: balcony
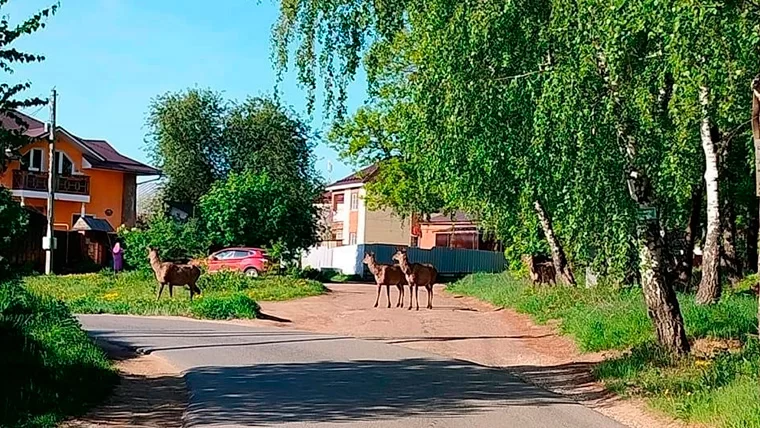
point(37, 181)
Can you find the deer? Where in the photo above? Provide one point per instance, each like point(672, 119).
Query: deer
point(417, 274)
point(386, 275)
point(172, 274)
point(541, 271)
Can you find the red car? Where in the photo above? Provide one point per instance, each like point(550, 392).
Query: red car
point(251, 261)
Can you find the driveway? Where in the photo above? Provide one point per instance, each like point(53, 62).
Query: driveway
point(251, 375)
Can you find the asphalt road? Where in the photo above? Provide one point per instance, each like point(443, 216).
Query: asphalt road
point(241, 376)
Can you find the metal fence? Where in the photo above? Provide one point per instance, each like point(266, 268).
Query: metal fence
point(448, 261)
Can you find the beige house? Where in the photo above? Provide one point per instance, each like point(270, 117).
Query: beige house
point(348, 221)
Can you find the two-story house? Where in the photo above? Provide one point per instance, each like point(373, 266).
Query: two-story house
point(348, 221)
point(93, 179)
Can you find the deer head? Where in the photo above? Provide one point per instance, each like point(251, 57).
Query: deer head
point(369, 258)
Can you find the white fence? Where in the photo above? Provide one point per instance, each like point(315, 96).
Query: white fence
point(448, 261)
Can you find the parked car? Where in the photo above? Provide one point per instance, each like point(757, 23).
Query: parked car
point(251, 261)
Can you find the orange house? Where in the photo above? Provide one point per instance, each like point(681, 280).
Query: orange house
point(93, 179)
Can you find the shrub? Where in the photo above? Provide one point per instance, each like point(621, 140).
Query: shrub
point(13, 221)
point(176, 240)
point(225, 306)
point(48, 366)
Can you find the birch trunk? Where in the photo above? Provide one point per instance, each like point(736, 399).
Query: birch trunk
point(662, 304)
point(686, 267)
point(756, 140)
point(559, 259)
point(709, 288)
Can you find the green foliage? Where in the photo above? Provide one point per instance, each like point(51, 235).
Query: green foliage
point(714, 391)
point(50, 368)
point(224, 294)
point(197, 138)
point(249, 209)
point(176, 240)
point(13, 139)
point(13, 221)
point(185, 141)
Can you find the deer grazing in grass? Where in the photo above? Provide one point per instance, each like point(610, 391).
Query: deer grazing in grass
point(172, 274)
point(386, 275)
point(417, 274)
point(541, 270)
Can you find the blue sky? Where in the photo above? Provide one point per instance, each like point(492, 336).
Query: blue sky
point(108, 58)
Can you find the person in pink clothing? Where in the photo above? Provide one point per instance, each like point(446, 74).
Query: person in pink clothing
point(118, 257)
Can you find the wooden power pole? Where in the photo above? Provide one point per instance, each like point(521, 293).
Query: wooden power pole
point(49, 243)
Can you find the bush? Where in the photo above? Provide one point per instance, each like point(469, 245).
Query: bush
point(216, 306)
point(48, 366)
point(176, 240)
point(13, 222)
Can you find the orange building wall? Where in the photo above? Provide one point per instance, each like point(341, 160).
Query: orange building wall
point(428, 231)
point(353, 215)
point(106, 187)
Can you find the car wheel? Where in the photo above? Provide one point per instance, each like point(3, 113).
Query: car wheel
point(252, 272)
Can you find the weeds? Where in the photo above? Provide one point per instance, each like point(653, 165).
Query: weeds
point(224, 294)
point(721, 390)
point(48, 366)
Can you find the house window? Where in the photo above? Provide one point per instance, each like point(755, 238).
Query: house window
point(415, 242)
point(338, 235)
point(32, 160)
point(442, 240)
point(63, 164)
point(352, 238)
point(354, 201)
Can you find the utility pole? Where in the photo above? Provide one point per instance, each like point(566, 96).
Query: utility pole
point(49, 244)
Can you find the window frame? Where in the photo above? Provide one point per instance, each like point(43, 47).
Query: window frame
point(354, 201)
point(59, 163)
point(30, 166)
point(352, 238)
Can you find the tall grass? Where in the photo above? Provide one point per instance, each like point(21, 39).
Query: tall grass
point(49, 369)
point(721, 390)
point(224, 295)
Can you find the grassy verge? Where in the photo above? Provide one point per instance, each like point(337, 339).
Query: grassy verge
point(720, 389)
point(225, 294)
point(49, 368)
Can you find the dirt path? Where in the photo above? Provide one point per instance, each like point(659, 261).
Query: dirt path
point(467, 329)
point(151, 393)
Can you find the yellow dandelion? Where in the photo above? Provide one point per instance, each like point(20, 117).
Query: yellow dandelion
point(111, 296)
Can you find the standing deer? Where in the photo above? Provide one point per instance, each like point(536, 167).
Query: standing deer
point(173, 275)
point(417, 274)
point(541, 271)
point(386, 275)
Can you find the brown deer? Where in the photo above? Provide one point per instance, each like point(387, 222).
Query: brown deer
point(386, 275)
point(541, 270)
point(173, 275)
point(417, 274)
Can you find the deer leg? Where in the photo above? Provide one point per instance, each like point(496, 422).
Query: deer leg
point(377, 300)
point(160, 290)
point(171, 293)
point(417, 295)
point(192, 290)
point(388, 292)
point(411, 296)
point(400, 301)
point(429, 288)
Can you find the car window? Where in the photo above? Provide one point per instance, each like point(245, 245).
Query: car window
point(223, 255)
point(239, 254)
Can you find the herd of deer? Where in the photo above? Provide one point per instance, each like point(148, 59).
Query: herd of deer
point(413, 274)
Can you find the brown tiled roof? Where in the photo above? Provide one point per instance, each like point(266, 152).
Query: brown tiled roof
point(358, 177)
point(98, 152)
point(114, 160)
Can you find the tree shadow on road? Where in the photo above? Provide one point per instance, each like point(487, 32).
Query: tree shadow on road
point(352, 391)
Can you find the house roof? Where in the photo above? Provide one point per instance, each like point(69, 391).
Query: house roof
point(457, 217)
point(99, 153)
point(92, 224)
point(359, 177)
point(115, 160)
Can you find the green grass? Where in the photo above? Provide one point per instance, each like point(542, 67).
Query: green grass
point(719, 391)
point(224, 295)
point(49, 368)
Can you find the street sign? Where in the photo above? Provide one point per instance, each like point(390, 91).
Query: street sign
point(647, 213)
